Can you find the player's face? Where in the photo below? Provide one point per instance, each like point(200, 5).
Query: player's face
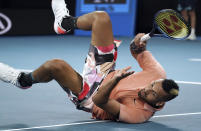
point(153, 93)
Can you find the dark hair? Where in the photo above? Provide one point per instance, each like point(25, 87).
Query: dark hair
point(170, 87)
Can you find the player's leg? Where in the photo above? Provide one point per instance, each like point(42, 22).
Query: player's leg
point(98, 22)
point(193, 24)
point(184, 13)
point(9, 74)
point(192, 13)
point(100, 25)
point(192, 18)
point(182, 7)
point(57, 70)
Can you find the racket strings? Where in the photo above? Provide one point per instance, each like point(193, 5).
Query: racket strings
point(182, 32)
point(170, 30)
point(171, 24)
point(163, 17)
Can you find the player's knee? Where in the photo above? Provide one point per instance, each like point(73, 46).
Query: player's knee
point(102, 16)
point(54, 66)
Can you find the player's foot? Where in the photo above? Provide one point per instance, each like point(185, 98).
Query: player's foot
point(11, 75)
point(60, 11)
point(192, 36)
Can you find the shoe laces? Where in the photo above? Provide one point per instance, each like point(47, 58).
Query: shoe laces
point(61, 12)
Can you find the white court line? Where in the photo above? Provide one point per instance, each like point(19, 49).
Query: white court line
point(184, 114)
point(188, 82)
point(60, 125)
point(91, 122)
point(195, 60)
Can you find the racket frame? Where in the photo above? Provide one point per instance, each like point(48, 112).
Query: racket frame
point(163, 34)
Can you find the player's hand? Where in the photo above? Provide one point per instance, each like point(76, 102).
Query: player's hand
point(104, 68)
point(141, 44)
point(120, 74)
point(137, 46)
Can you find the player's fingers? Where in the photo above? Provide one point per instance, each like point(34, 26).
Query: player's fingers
point(138, 38)
point(142, 44)
point(127, 74)
point(127, 68)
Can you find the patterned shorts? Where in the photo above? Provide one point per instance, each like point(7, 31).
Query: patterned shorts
point(100, 61)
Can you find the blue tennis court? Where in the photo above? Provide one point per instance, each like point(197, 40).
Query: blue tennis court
point(46, 106)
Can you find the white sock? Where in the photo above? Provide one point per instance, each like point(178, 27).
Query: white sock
point(192, 30)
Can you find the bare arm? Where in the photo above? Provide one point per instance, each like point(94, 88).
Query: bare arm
point(144, 58)
point(101, 99)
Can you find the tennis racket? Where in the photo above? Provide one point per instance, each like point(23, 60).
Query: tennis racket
point(170, 24)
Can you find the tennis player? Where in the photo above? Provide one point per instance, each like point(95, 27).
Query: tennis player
point(119, 95)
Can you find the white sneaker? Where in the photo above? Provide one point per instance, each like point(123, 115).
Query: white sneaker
point(192, 36)
point(60, 11)
point(10, 75)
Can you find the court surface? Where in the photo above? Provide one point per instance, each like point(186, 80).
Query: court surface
point(46, 107)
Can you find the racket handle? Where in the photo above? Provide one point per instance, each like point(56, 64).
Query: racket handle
point(145, 37)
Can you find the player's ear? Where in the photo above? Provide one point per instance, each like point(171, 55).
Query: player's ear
point(160, 103)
